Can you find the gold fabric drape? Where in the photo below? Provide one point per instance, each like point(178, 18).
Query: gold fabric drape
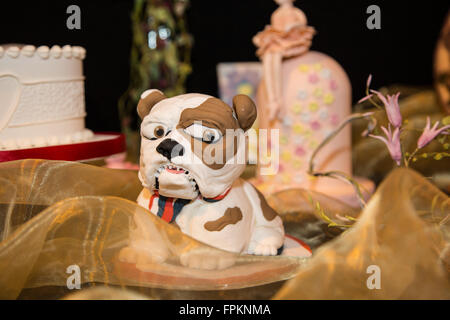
point(58, 214)
point(404, 232)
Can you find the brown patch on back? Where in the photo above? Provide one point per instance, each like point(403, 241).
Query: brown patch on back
point(268, 212)
point(231, 216)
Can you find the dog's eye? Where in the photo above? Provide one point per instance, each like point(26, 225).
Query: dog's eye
point(159, 132)
point(205, 134)
point(154, 131)
point(209, 136)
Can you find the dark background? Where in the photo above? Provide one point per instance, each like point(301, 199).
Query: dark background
point(401, 52)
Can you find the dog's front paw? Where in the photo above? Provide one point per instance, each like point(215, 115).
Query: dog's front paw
point(128, 255)
point(141, 258)
point(266, 241)
point(267, 246)
point(207, 259)
point(261, 249)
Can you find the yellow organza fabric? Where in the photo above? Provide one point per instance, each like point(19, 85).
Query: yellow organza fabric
point(58, 214)
point(404, 232)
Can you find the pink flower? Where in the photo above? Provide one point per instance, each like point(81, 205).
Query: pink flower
point(365, 98)
point(369, 81)
point(392, 108)
point(392, 142)
point(429, 134)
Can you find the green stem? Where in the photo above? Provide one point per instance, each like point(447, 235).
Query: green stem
point(373, 101)
point(336, 174)
point(411, 156)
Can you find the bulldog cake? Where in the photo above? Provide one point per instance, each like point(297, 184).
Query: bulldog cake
point(193, 152)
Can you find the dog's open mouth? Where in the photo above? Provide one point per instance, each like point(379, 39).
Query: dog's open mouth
point(174, 169)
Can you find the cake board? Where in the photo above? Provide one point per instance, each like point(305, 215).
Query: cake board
point(101, 145)
point(180, 277)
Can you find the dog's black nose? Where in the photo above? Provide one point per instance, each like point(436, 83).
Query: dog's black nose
point(170, 149)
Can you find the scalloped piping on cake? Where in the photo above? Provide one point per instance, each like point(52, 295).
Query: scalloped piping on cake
point(44, 52)
point(24, 143)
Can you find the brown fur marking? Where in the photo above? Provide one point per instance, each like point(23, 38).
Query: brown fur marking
point(145, 105)
point(268, 212)
point(245, 110)
point(231, 216)
point(207, 152)
point(215, 113)
point(212, 113)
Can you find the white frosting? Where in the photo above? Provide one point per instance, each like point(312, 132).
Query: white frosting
point(67, 51)
point(41, 96)
point(56, 52)
point(16, 51)
point(43, 52)
point(13, 52)
point(28, 51)
point(42, 141)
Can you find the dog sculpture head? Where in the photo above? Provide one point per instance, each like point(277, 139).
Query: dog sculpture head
point(192, 144)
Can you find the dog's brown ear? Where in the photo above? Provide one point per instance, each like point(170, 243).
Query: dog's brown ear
point(148, 99)
point(245, 110)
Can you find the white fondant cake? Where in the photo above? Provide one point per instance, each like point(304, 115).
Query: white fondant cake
point(41, 96)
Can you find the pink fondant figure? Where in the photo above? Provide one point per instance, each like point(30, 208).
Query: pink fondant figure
point(287, 36)
point(305, 95)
